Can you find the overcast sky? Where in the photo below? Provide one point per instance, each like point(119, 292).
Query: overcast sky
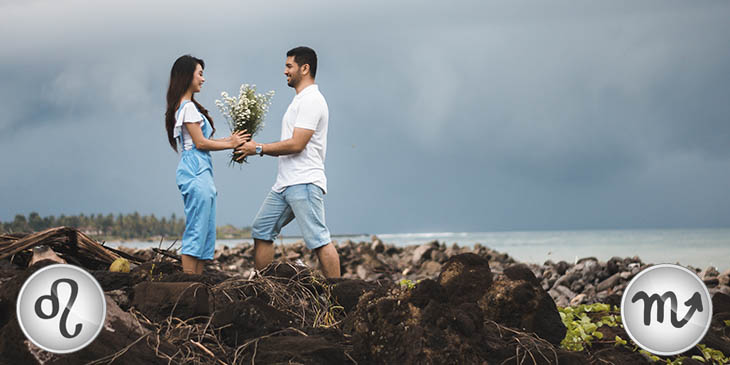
point(454, 116)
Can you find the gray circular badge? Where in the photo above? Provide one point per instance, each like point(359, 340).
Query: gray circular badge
point(61, 308)
point(666, 309)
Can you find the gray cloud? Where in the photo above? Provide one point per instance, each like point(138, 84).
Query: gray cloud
point(459, 116)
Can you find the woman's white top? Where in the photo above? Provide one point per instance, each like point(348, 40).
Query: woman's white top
point(188, 114)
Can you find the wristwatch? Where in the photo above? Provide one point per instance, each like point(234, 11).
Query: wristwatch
point(260, 150)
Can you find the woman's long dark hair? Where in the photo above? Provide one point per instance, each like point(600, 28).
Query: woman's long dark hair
point(181, 77)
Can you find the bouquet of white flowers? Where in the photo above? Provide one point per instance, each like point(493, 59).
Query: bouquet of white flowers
point(247, 111)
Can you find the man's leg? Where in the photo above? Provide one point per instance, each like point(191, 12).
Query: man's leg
point(307, 203)
point(329, 260)
point(274, 214)
point(263, 253)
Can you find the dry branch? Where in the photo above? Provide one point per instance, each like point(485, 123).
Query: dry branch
point(69, 242)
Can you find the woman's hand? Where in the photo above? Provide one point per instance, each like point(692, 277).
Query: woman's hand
point(239, 138)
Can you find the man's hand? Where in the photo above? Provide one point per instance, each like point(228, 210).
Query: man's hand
point(296, 144)
point(246, 149)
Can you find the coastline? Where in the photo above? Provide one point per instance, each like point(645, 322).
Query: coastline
point(689, 247)
point(461, 304)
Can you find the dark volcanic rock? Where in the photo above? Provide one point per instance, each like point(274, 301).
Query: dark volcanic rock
point(347, 292)
point(280, 270)
point(183, 300)
point(421, 327)
point(449, 321)
point(11, 288)
point(480, 309)
point(113, 280)
point(521, 272)
point(207, 277)
point(523, 305)
point(423, 252)
point(299, 349)
point(465, 277)
point(715, 338)
point(13, 347)
point(614, 265)
point(249, 318)
point(427, 291)
point(720, 303)
point(8, 296)
point(561, 267)
point(120, 331)
point(609, 283)
point(609, 355)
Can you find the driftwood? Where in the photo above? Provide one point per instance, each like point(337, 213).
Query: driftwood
point(71, 244)
point(125, 255)
point(167, 253)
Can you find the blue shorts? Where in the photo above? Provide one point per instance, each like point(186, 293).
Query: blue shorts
point(305, 202)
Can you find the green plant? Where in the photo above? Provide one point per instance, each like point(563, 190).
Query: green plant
point(710, 355)
point(407, 284)
point(581, 330)
point(649, 355)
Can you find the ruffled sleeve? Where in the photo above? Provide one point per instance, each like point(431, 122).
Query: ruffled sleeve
point(188, 114)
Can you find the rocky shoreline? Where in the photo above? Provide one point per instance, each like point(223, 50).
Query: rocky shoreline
point(587, 281)
point(431, 303)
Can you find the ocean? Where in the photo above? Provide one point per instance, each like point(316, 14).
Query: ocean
point(699, 248)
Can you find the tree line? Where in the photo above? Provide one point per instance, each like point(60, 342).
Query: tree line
point(109, 226)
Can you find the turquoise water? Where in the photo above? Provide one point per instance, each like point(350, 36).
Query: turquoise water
point(696, 247)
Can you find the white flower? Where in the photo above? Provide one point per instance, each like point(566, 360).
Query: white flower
point(247, 110)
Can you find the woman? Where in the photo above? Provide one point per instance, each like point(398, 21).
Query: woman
point(189, 125)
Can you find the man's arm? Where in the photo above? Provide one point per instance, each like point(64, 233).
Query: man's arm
point(295, 144)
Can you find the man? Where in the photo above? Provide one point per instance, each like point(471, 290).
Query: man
point(300, 183)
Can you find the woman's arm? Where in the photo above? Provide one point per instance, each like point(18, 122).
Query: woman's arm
point(206, 144)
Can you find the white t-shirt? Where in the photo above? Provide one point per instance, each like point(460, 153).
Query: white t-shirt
point(188, 114)
point(308, 110)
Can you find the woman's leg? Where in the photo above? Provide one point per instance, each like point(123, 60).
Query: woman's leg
point(189, 264)
point(199, 267)
point(208, 250)
point(199, 237)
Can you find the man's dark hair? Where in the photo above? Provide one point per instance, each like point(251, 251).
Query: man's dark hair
point(304, 55)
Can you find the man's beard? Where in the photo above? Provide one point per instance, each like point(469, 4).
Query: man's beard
point(293, 82)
